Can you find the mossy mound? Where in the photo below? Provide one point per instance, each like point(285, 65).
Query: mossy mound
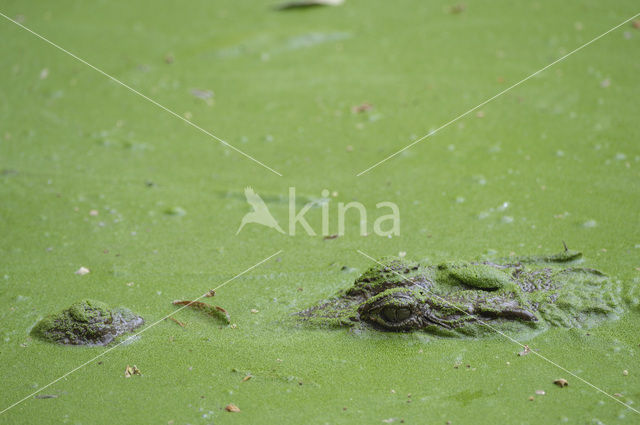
point(87, 322)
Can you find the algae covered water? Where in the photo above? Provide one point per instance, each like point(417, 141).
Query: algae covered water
point(105, 196)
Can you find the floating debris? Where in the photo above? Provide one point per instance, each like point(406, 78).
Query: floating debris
point(173, 319)
point(129, 371)
point(87, 322)
point(254, 311)
point(306, 4)
point(202, 94)
point(246, 378)
point(329, 237)
point(212, 310)
point(457, 9)
point(211, 293)
point(94, 213)
point(232, 408)
point(625, 372)
point(176, 211)
point(45, 396)
point(524, 352)
point(540, 392)
point(561, 383)
point(82, 271)
point(363, 107)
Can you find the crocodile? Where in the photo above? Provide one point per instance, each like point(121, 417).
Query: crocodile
point(473, 298)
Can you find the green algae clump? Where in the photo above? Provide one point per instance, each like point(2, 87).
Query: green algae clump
point(87, 322)
point(479, 276)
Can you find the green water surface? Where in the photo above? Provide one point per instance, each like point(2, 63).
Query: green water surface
point(556, 158)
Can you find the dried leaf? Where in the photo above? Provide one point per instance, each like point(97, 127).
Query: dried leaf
point(524, 352)
point(561, 383)
point(129, 371)
point(177, 321)
point(232, 408)
point(212, 310)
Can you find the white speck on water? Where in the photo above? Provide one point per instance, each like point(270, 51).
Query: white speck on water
point(159, 292)
point(507, 219)
point(459, 199)
point(589, 224)
point(605, 83)
point(268, 138)
point(451, 148)
point(44, 73)
point(82, 271)
point(503, 207)
point(480, 180)
point(620, 156)
point(559, 153)
point(202, 94)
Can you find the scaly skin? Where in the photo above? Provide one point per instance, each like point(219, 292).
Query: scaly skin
point(464, 297)
point(87, 322)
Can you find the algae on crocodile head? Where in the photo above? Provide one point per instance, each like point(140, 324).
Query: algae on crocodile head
point(473, 298)
point(87, 322)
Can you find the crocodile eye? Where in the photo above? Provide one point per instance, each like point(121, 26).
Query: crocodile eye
point(396, 314)
point(393, 309)
point(389, 313)
point(402, 313)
